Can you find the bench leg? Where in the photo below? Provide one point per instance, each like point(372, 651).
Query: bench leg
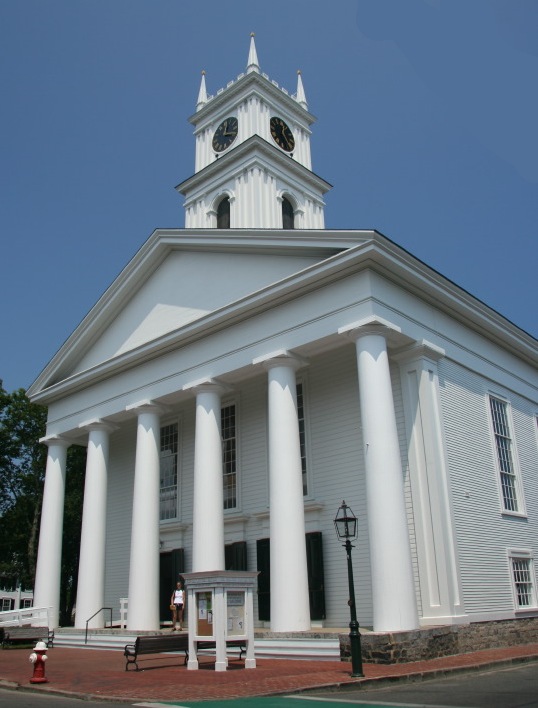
point(130, 662)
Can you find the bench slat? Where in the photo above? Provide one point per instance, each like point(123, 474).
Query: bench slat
point(13, 635)
point(155, 645)
point(161, 644)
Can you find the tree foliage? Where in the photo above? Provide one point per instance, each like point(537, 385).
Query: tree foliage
point(22, 470)
point(22, 473)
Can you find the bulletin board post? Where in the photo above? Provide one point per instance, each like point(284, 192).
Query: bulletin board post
point(220, 612)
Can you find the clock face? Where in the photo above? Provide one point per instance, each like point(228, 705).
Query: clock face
point(225, 134)
point(281, 134)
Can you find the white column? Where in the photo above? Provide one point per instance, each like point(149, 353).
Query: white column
point(143, 610)
point(208, 505)
point(49, 558)
point(91, 571)
point(395, 605)
point(290, 609)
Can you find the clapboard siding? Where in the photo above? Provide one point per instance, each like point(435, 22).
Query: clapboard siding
point(336, 471)
point(483, 533)
point(335, 460)
point(119, 514)
point(253, 454)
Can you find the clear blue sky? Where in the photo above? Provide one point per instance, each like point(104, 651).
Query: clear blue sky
point(427, 128)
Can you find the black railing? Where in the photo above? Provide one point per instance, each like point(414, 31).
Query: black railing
point(90, 619)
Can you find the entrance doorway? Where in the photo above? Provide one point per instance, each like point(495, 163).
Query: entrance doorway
point(172, 565)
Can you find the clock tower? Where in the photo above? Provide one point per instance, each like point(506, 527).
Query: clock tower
point(253, 166)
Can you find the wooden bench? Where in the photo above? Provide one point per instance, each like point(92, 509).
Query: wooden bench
point(27, 635)
point(163, 643)
point(155, 644)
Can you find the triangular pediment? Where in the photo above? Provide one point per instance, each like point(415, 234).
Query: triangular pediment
point(176, 279)
point(186, 286)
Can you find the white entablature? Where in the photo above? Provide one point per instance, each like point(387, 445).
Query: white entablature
point(253, 151)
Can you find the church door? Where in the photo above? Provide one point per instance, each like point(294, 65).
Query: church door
point(172, 564)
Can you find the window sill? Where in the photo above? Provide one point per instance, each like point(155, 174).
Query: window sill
point(514, 514)
point(527, 611)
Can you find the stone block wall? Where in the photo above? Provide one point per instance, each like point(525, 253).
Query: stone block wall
point(434, 642)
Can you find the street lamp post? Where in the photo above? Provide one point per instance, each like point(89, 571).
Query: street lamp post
point(345, 524)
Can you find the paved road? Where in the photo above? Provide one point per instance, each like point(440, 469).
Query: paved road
point(28, 699)
point(514, 687)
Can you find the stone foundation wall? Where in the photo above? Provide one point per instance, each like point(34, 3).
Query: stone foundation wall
point(433, 642)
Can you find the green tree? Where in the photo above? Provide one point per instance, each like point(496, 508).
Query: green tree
point(22, 473)
point(22, 470)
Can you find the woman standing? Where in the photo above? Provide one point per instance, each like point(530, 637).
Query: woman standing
point(177, 601)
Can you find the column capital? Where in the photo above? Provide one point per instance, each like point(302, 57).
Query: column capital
point(207, 385)
point(281, 357)
point(98, 424)
point(50, 440)
point(370, 325)
point(147, 406)
point(421, 349)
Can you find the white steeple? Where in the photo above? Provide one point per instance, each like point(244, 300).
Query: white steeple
point(300, 96)
point(252, 63)
point(252, 157)
point(202, 94)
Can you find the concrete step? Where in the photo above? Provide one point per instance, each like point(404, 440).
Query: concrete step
point(95, 640)
point(319, 649)
point(264, 648)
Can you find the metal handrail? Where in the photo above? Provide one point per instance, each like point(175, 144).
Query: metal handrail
point(90, 619)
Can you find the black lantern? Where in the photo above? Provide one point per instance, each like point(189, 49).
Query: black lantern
point(345, 524)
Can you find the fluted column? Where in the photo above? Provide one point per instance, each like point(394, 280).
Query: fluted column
point(393, 592)
point(49, 558)
point(91, 572)
point(208, 506)
point(290, 609)
point(143, 611)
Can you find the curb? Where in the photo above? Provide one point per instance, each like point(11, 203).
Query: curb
point(417, 676)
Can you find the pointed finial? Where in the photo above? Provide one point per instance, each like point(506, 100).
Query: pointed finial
point(252, 63)
point(202, 94)
point(301, 96)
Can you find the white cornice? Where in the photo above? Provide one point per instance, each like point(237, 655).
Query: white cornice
point(240, 157)
point(365, 250)
point(163, 241)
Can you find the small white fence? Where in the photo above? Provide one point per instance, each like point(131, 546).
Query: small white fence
point(124, 606)
point(35, 616)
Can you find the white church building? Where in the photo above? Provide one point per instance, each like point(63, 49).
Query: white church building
point(246, 373)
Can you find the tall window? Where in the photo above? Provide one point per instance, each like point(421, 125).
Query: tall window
point(169, 454)
point(223, 214)
point(302, 434)
point(288, 217)
point(523, 580)
point(229, 456)
point(505, 458)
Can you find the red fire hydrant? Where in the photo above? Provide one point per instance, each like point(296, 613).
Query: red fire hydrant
point(38, 658)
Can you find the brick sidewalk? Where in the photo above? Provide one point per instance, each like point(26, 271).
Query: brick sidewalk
point(100, 673)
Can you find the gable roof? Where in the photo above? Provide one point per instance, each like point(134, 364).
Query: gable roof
point(174, 281)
